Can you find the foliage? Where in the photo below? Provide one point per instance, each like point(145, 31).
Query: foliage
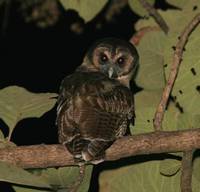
point(156, 53)
point(87, 9)
point(17, 103)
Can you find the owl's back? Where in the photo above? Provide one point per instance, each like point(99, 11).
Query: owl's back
point(92, 112)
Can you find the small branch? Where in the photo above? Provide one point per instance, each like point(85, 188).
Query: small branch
point(174, 71)
point(153, 12)
point(136, 38)
point(42, 156)
point(186, 176)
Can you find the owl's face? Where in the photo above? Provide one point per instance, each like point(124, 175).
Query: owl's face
point(113, 57)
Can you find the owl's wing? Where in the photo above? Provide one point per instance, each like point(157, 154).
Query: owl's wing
point(93, 108)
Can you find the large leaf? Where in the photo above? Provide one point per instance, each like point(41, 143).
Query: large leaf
point(188, 79)
point(170, 167)
point(27, 189)
point(16, 103)
point(151, 78)
point(184, 4)
point(141, 177)
point(136, 6)
point(151, 72)
point(196, 168)
point(87, 9)
point(1, 135)
point(66, 176)
point(13, 174)
point(146, 176)
point(173, 18)
point(145, 115)
point(187, 82)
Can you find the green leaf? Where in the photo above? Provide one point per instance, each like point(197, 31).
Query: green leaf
point(196, 168)
point(186, 84)
point(87, 9)
point(170, 167)
point(188, 121)
point(66, 176)
point(136, 7)
point(141, 177)
point(1, 135)
point(27, 189)
point(188, 80)
point(86, 182)
point(143, 124)
point(16, 103)
point(171, 118)
point(151, 78)
point(151, 72)
point(17, 175)
point(145, 115)
point(178, 3)
point(184, 4)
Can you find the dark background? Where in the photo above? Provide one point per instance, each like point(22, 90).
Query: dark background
point(38, 59)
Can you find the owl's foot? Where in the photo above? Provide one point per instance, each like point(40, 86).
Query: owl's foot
point(88, 150)
point(95, 151)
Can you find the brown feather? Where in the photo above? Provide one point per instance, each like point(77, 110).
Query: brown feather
point(96, 108)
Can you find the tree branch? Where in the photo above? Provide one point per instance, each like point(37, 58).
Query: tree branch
point(43, 156)
point(174, 71)
point(153, 12)
point(136, 38)
point(186, 176)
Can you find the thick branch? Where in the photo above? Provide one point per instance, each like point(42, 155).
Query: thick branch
point(42, 156)
point(186, 175)
point(154, 13)
point(174, 71)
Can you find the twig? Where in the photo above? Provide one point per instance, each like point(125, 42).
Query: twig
point(74, 187)
point(136, 38)
point(186, 176)
point(174, 71)
point(58, 156)
point(153, 12)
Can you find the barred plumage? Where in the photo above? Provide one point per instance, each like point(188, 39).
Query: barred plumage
point(95, 105)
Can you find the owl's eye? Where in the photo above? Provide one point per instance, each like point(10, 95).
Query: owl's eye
point(104, 58)
point(120, 61)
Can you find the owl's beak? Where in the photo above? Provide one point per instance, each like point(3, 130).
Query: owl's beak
point(110, 72)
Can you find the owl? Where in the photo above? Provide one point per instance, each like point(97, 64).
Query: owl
point(95, 104)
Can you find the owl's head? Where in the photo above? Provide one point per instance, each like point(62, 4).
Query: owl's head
point(116, 58)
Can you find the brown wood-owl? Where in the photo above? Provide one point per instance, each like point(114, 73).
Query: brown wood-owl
point(95, 104)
